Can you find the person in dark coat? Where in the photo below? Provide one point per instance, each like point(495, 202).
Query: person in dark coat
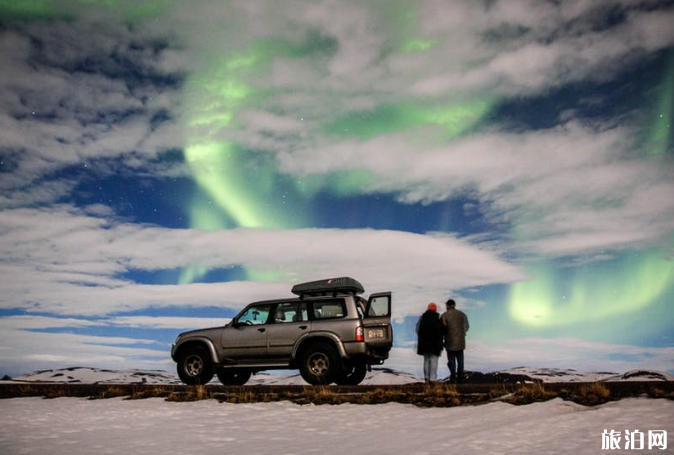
point(456, 325)
point(429, 341)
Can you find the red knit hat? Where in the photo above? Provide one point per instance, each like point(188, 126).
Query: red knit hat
point(433, 307)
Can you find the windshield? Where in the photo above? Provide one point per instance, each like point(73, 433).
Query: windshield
point(255, 315)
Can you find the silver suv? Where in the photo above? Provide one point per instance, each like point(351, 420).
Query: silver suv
point(329, 332)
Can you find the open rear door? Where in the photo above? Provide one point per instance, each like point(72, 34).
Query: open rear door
point(377, 327)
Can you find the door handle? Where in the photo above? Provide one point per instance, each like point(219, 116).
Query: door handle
point(303, 327)
point(261, 330)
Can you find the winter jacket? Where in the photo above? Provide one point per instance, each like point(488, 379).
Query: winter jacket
point(429, 334)
point(456, 325)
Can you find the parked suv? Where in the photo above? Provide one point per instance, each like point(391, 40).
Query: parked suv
point(329, 332)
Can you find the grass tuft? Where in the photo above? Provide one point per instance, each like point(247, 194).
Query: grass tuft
point(531, 393)
point(593, 395)
point(148, 392)
point(196, 393)
point(111, 392)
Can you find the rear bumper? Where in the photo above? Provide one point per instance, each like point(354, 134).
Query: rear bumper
point(373, 354)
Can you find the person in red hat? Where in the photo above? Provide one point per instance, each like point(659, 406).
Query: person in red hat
point(430, 341)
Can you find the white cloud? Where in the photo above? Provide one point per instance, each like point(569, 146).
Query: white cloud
point(25, 322)
point(567, 190)
point(26, 349)
point(167, 322)
point(28, 343)
point(67, 100)
point(38, 194)
point(43, 322)
point(62, 261)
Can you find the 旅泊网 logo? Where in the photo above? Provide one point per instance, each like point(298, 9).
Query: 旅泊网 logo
point(634, 440)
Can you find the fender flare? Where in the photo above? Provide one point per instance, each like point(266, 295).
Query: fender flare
point(336, 341)
point(200, 341)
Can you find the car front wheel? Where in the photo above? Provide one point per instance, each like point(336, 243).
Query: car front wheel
point(195, 366)
point(320, 364)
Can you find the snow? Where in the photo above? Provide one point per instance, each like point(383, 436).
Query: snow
point(72, 426)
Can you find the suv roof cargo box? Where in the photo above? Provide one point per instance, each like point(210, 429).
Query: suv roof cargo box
point(329, 286)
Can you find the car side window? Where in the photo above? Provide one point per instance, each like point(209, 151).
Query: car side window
point(330, 309)
point(255, 315)
point(291, 312)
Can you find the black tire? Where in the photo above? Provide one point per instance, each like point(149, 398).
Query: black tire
point(234, 377)
point(319, 364)
point(195, 366)
point(354, 373)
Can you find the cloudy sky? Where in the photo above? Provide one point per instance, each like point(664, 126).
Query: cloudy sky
point(163, 163)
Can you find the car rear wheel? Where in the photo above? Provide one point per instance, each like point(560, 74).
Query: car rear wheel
point(320, 364)
point(233, 377)
point(195, 366)
point(354, 373)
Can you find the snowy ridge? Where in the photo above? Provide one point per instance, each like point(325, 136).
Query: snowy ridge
point(85, 375)
point(559, 375)
point(378, 376)
point(570, 375)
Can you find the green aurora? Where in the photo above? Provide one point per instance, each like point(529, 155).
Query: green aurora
point(593, 293)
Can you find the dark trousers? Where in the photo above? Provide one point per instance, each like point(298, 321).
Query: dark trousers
point(455, 364)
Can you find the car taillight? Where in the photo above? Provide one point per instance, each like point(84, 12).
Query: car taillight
point(359, 334)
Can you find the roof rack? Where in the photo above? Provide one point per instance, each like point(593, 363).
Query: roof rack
point(334, 286)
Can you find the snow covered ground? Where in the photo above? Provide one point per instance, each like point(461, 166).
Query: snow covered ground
point(75, 426)
point(72, 426)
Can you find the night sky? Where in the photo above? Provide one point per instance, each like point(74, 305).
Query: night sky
point(163, 163)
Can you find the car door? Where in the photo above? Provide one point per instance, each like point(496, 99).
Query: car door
point(289, 322)
point(377, 328)
point(245, 339)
